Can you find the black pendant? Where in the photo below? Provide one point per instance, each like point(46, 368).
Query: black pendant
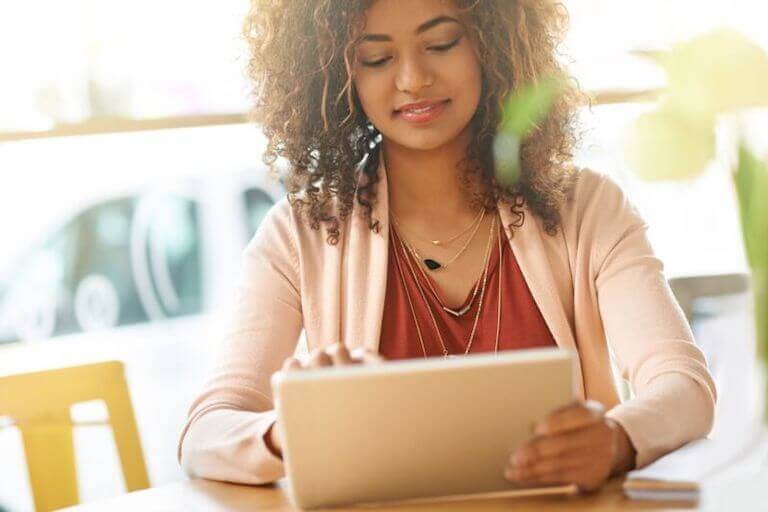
point(432, 264)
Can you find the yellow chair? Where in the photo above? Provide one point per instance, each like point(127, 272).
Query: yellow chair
point(39, 405)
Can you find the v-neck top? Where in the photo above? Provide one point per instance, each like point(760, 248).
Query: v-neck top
point(521, 325)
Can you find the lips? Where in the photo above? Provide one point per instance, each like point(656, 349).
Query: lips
point(424, 114)
point(419, 107)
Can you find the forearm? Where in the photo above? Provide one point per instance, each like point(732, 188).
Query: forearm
point(673, 409)
point(229, 445)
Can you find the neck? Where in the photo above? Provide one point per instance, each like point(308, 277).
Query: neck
point(428, 183)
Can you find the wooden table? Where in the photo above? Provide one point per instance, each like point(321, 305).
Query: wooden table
point(208, 496)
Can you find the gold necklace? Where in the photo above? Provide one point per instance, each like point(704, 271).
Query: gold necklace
point(477, 220)
point(455, 312)
point(429, 309)
point(431, 263)
point(498, 307)
point(408, 296)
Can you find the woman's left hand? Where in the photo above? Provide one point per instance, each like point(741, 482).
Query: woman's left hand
point(574, 445)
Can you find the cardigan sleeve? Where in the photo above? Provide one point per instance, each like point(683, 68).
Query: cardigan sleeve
point(224, 435)
point(674, 394)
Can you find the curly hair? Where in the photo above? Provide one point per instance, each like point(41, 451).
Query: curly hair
point(306, 103)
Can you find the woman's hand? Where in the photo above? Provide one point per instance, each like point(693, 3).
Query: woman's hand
point(333, 355)
point(574, 445)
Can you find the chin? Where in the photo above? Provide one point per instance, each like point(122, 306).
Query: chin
point(423, 140)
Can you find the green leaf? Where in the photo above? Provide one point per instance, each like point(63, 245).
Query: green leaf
point(664, 145)
point(528, 105)
point(751, 180)
point(506, 154)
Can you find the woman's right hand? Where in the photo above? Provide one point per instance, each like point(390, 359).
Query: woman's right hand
point(333, 355)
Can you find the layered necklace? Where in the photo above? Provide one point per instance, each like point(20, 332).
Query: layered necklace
point(433, 264)
point(402, 251)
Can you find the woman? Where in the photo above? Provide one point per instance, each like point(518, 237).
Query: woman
point(417, 251)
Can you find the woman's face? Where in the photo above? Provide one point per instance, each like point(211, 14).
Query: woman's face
point(412, 52)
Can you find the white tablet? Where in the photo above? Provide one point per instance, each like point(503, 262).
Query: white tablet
point(410, 429)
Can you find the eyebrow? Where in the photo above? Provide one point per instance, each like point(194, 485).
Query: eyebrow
point(421, 28)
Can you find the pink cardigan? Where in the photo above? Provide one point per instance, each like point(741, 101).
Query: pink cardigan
point(599, 287)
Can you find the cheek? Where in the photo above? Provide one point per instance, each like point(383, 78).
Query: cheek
point(469, 73)
point(372, 93)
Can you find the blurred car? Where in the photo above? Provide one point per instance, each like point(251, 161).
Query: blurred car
point(122, 261)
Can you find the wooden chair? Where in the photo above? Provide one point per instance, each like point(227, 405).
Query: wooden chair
point(39, 405)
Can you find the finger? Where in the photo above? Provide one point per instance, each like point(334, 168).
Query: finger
point(541, 447)
point(586, 457)
point(581, 476)
point(318, 359)
point(548, 469)
point(290, 364)
point(340, 355)
point(372, 357)
point(571, 417)
point(366, 356)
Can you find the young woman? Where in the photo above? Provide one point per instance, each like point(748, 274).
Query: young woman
point(397, 241)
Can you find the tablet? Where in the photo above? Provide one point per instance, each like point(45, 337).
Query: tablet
point(414, 429)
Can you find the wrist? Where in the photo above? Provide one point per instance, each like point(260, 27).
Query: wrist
point(624, 450)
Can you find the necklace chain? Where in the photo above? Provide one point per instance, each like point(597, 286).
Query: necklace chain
point(455, 256)
point(429, 309)
point(477, 220)
point(454, 312)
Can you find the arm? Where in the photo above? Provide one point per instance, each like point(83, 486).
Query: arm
point(224, 438)
point(674, 394)
point(650, 337)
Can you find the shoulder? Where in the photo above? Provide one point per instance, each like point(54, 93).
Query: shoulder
point(275, 238)
point(596, 201)
point(287, 231)
point(599, 213)
point(596, 191)
point(277, 224)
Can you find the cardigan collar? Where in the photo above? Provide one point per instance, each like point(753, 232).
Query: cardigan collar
point(364, 283)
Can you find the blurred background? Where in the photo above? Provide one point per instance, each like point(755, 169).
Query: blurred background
point(131, 182)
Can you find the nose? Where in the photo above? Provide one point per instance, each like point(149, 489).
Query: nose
point(413, 74)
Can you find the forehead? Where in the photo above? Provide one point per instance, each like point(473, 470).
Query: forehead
point(403, 17)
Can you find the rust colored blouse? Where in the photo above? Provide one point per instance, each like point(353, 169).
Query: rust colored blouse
point(521, 326)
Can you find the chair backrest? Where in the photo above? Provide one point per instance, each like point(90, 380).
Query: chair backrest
point(39, 405)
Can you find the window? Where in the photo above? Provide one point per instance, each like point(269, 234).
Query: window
point(693, 226)
point(115, 60)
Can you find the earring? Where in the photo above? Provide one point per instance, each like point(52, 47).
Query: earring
point(371, 129)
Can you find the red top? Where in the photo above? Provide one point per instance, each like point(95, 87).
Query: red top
point(522, 325)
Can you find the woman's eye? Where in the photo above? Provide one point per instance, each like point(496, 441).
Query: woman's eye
point(376, 63)
point(442, 48)
point(446, 47)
